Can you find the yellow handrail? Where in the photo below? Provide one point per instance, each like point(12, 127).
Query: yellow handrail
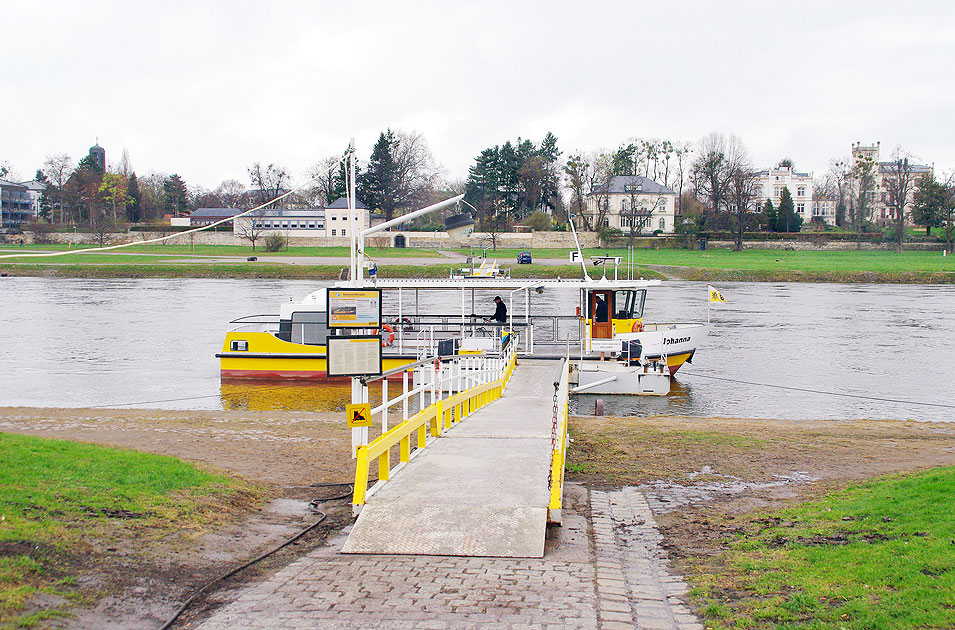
point(435, 417)
point(559, 456)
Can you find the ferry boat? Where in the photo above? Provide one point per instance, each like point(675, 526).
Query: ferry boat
point(608, 318)
point(606, 323)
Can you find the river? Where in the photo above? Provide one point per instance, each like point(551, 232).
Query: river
point(784, 350)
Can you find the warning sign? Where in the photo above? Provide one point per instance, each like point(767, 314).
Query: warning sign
point(358, 415)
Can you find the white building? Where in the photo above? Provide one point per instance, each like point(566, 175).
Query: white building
point(879, 211)
point(633, 198)
point(824, 210)
point(772, 181)
point(331, 221)
point(35, 190)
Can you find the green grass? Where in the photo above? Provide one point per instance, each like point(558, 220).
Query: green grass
point(712, 264)
point(59, 500)
point(877, 555)
point(159, 249)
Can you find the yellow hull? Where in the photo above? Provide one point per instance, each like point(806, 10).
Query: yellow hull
point(267, 357)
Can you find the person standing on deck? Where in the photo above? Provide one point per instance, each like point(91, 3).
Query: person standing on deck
point(500, 315)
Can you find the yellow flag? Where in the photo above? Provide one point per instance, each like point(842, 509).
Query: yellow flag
point(715, 295)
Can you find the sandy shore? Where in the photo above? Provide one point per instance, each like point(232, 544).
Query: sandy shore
point(695, 472)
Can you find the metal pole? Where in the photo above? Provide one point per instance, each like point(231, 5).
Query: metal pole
point(351, 213)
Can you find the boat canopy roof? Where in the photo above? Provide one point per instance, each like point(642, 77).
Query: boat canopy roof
point(487, 283)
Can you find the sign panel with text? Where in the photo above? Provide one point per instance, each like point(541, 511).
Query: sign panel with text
point(354, 308)
point(359, 355)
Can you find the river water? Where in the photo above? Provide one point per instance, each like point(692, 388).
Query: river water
point(781, 350)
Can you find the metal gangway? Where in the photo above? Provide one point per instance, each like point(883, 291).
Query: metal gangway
point(480, 465)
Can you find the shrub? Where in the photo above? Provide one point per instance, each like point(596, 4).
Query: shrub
point(274, 242)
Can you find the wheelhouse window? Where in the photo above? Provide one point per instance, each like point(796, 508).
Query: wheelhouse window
point(629, 303)
point(308, 327)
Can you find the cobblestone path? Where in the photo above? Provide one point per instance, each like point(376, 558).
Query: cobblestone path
point(602, 572)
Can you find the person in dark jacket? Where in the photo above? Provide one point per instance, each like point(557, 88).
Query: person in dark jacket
point(500, 315)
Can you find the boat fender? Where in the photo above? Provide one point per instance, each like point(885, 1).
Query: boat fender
point(389, 339)
point(637, 326)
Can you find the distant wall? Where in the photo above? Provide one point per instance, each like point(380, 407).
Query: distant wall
point(478, 240)
point(385, 239)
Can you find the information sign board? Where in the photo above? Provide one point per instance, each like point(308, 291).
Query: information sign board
point(354, 308)
point(359, 355)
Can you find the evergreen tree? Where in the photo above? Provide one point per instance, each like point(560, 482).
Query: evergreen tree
point(377, 184)
point(769, 215)
point(787, 220)
point(46, 196)
point(175, 195)
point(930, 198)
point(133, 199)
point(340, 183)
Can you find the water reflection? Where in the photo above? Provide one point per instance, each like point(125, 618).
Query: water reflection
point(272, 395)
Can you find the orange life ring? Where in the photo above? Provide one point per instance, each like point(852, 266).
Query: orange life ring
point(389, 339)
point(637, 326)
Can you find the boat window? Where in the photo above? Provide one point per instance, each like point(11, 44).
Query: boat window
point(308, 327)
point(629, 303)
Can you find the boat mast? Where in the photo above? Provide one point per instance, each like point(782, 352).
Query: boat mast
point(356, 278)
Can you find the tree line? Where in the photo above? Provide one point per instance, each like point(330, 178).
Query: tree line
point(518, 182)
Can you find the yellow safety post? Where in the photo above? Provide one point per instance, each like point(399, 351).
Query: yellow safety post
point(361, 476)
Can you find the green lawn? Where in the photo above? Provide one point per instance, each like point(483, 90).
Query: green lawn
point(59, 499)
point(159, 249)
point(877, 555)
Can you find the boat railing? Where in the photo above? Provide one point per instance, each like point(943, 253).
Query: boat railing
point(255, 323)
point(547, 330)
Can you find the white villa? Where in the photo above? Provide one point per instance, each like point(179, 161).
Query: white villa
point(772, 181)
point(879, 211)
point(634, 198)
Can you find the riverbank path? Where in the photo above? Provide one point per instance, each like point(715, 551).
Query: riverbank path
point(479, 490)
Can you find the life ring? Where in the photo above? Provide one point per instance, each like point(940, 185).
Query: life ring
point(389, 339)
point(637, 326)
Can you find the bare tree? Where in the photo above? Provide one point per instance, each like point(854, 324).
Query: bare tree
point(637, 212)
point(599, 177)
point(681, 151)
point(230, 193)
point(58, 169)
point(898, 179)
point(250, 227)
point(268, 183)
point(125, 166)
point(577, 174)
point(712, 169)
point(863, 176)
point(743, 191)
point(415, 168)
point(948, 210)
point(324, 173)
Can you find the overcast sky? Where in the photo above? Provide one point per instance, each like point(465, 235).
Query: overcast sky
point(204, 89)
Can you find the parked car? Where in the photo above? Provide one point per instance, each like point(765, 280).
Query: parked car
point(524, 258)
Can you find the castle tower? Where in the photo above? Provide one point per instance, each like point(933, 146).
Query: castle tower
point(98, 154)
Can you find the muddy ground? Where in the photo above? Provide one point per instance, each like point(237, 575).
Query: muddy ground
point(698, 474)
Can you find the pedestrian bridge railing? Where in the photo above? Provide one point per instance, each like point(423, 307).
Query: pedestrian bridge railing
point(455, 386)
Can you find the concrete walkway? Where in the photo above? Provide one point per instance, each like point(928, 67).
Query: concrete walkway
point(479, 490)
point(604, 569)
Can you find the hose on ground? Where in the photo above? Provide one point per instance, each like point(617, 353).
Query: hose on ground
point(313, 507)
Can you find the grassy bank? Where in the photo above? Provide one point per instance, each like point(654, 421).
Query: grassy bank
point(913, 267)
point(186, 250)
point(62, 503)
point(270, 270)
point(877, 555)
